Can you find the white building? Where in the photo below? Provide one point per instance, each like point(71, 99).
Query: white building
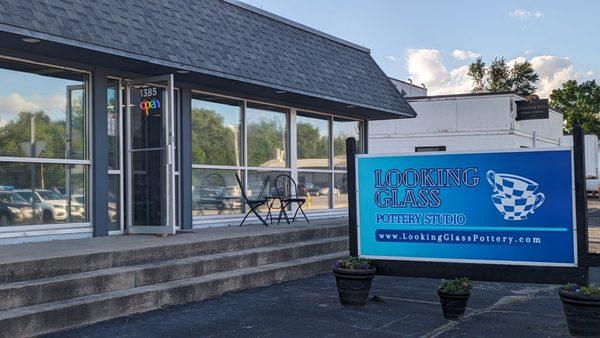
point(408, 89)
point(464, 122)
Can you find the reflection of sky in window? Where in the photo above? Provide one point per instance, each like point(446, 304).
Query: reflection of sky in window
point(257, 115)
point(230, 113)
point(343, 128)
point(320, 124)
point(21, 91)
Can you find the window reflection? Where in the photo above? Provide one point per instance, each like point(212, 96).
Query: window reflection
point(113, 128)
point(316, 188)
point(342, 129)
point(215, 192)
point(34, 193)
point(267, 136)
point(216, 136)
point(313, 141)
point(42, 112)
point(340, 199)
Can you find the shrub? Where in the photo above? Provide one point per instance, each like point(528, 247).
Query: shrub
point(354, 263)
point(457, 285)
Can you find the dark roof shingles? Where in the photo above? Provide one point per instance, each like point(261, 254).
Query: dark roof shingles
point(217, 36)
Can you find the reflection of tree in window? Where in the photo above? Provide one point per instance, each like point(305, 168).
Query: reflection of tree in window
point(213, 142)
point(310, 142)
point(266, 143)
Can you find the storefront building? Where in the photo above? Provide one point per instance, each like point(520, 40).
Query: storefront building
point(118, 119)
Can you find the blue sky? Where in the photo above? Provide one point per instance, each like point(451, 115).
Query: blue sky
point(417, 39)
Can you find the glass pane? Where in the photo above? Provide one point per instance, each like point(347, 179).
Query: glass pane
point(147, 107)
point(113, 131)
point(256, 180)
point(114, 205)
point(215, 192)
point(315, 187)
point(42, 114)
point(267, 136)
point(342, 129)
point(216, 131)
point(42, 193)
point(340, 198)
point(313, 141)
point(149, 193)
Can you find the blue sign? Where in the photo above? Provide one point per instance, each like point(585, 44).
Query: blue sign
point(505, 207)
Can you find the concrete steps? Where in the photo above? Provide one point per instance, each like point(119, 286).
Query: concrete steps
point(48, 304)
point(66, 262)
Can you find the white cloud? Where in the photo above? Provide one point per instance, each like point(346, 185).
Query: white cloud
point(391, 57)
point(522, 14)
point(464, 54)
point(427, 66)
point(14, 103)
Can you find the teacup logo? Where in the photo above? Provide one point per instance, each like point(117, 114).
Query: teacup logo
point(514, 196)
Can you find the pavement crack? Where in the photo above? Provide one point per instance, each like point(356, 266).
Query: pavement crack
point(522, 295)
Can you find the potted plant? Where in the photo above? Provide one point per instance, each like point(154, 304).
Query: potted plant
point(353, 277)
point(454, 295)
point(582, 309)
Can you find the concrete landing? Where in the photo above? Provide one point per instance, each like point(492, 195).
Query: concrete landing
point(72, 247)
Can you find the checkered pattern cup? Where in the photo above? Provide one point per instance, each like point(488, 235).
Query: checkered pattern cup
point(514, 196)
point(517, 209)
point(511, 186)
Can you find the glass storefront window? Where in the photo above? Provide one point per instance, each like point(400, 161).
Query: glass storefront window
point(215, 192)
point(256, 180)
point(42, 116)
point(267, 136)
point(216, 131)
point(315, 187)
point(340, 198)
point(113, 130)
point(313, 141)
point(36, 193)
point(114, 205)
point(342, 129)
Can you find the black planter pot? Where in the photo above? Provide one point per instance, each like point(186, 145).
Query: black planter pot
point(582, 312)
point(453, 304)
point(353, 285)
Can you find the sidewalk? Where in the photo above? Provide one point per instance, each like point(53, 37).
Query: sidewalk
point(309, 308)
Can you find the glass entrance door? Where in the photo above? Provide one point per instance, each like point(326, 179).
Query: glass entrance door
point(150, 156)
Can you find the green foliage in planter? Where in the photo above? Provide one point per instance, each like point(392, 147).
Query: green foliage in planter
point(457, 285)
point(590, 290)
point(354, 263)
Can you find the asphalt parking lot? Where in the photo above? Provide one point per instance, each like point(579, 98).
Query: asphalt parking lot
point(309, 308)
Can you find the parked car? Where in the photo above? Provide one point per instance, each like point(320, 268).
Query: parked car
point(304, 189)
point(14, 209)
point(325, 191)
point(53, 206)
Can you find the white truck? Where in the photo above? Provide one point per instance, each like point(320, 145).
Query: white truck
point(591, 161)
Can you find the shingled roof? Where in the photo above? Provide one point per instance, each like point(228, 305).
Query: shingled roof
point(224, 38)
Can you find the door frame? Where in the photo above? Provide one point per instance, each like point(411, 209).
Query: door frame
point(169, 131)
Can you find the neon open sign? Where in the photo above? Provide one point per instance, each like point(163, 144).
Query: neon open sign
point(146, 105)
point(149, 100)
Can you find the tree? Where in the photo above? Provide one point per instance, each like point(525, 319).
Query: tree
point(477, 73)
point(523, 78)
point(580, 104)
point(499, 77)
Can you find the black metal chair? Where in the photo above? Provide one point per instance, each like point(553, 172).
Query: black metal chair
point(253, 204)
point(287, 193)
